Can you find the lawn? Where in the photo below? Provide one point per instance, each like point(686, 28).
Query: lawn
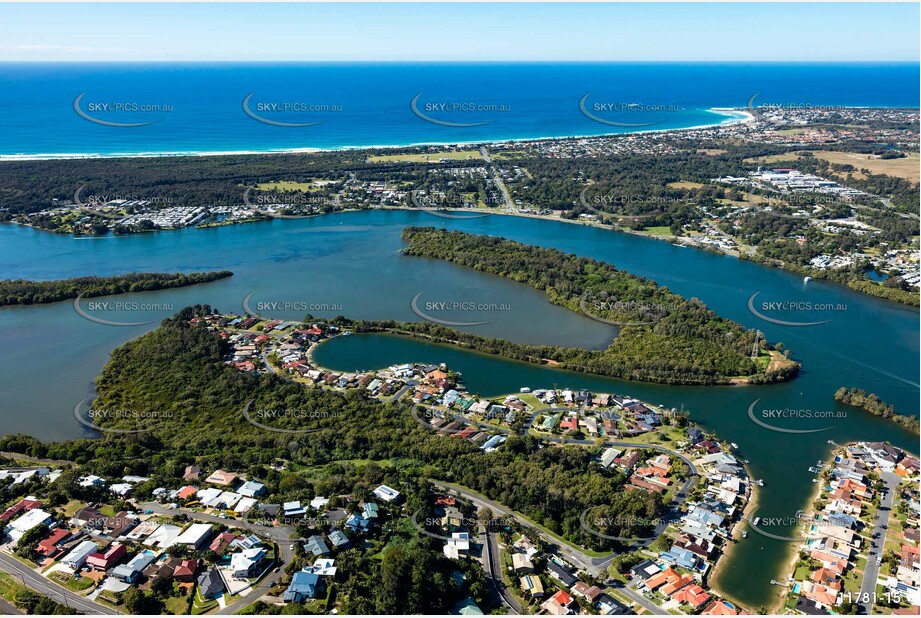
point(426, 157)
point(8, 587)
point(685, 184)
point(659, 230)
point(177, 606)
point(72, 583)
point(201, 605)
point(906, 167)
point(290, 185)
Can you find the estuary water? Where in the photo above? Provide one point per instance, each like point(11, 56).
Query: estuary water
point(349, 264)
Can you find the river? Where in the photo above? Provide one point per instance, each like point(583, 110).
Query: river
point(349, 264)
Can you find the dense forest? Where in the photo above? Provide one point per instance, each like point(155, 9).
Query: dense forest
point(30, 186)
point(875, 406)
point(663, 337)
point(26, 292)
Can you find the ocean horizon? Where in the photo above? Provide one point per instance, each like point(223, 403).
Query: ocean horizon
point(79, 109)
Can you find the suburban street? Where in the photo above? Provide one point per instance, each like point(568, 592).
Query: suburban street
point(281, 535)
point(50, 589)
point(871, 570)
point(492, 562)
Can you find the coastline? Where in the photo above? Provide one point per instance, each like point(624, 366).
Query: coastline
point(731, 115)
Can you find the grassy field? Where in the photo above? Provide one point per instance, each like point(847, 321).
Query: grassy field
point(9, 587)
point(685, 184)
point(290, 185)
point(509, 154)
point(177, 605)
point(661, 230)
point(426, 157)
point(907, 167)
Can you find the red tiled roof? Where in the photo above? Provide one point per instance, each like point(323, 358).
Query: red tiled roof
point(562, 597)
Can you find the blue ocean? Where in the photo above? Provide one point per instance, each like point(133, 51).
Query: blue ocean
point(105, 109)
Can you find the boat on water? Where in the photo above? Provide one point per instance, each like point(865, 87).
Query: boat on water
point(757, 519)
point(760, 482)
point(734, 445)
point(807, 279)
point(745, 534)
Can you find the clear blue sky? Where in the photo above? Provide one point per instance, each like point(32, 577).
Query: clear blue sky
point(585, 32)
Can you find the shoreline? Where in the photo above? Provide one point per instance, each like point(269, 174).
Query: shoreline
point(720, 566)
point(731, 115)
point(678, 241)
point(786, 565)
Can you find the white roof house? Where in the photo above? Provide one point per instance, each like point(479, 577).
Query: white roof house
point(207, 496)
point(458, 545)
point(120, 489)
point(164, 536)
point(194, 535)
point(79, 554)
point(24, 523)
point(244, 505)
point(251, 489)
point(388, 494)
point(293, 508)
